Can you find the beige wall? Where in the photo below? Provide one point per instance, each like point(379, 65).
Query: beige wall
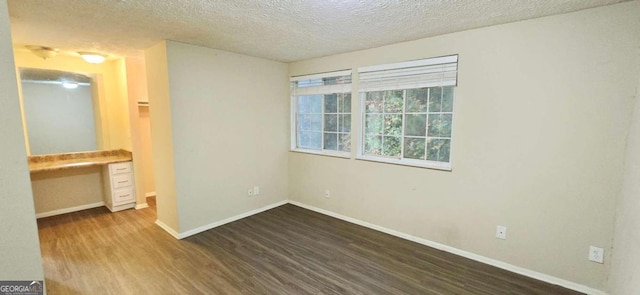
point(541, 114)
point(229, 120)
point(19, 245)
point(625, 265)
point(62, 189)
point(140, 128)
point(144, 126)
point(161, 134)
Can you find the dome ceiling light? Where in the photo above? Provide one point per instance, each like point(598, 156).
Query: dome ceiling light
point(92, 57)
point(42, 51)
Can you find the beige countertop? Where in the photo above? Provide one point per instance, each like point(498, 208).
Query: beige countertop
point(71, 160)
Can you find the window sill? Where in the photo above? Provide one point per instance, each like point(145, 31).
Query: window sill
point(408, 162)
point(344, 155)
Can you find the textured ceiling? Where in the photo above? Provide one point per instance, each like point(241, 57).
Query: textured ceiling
point(283, 30)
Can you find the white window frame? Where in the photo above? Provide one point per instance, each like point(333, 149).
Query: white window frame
point(319, 90)
point(448, 77)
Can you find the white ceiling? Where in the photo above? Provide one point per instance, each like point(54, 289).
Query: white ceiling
point(283, 30)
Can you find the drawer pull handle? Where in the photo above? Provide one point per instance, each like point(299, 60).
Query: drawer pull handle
point(125, 181)
point(124, 196)
point(121, 169)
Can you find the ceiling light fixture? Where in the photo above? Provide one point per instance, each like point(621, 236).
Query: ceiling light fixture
point(93, 58)
point(70, 85)
point(42, 51)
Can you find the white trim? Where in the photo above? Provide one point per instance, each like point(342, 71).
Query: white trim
point(321, 75)
point(410, 64)
point(330, 153)
point(486, 260)
point(168, 229)
point(407, 162)
point(150, 194)
point(69, 210)
point(141, 206)
point(228, 220)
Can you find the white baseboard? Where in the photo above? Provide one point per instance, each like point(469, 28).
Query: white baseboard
point(228, 220)
point(167, 229)
point(142, 206)
point(69, 210)
point(472, 256)
point(150, 194)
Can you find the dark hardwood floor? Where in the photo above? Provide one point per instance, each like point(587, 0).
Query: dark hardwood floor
point(286, 250)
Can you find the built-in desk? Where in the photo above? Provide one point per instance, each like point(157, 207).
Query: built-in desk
point(77, 170)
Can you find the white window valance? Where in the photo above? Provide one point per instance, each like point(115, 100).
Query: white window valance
point(431, 72)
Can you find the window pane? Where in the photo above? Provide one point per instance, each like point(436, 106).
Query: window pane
point(435, 99)
point(417, 100)
point(344, 103)
point(309, 104)
point(310, 122)
point(344, 123)
point(373, 124)
point(330, 141)
point(440, 125)
point(373, 102)
point(414, 148)
point(331, 123)
point(438, 150)
point(393, 125)
point(415, 125)
point(447, 99)
point(310, 140)
point(331, 103)
point(373, 145)
point(445, 125)
point(393, 101)
point(391, 146)
point(344, 142)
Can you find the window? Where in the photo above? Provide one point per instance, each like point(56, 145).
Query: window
point(407, 112)
point(321, 113)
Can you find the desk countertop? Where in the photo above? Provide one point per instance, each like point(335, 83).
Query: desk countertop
point(72, 160)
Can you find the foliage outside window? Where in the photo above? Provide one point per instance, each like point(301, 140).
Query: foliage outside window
point(321, 108)
point(407, 112)
point(409, 124)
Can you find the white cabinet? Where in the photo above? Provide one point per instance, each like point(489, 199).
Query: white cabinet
point(118, 186)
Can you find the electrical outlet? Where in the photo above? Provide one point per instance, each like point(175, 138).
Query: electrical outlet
point(327, 194)
point(596, 254)
point(256, 190)
point(250, 193)
point(501, 232)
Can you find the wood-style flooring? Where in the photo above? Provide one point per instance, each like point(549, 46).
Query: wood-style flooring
point(286, 250)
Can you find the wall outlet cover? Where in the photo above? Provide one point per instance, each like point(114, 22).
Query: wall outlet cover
point(596, 254)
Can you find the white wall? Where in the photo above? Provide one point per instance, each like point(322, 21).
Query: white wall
point(625, 268)
point(59, 120)
point(541, 114)
point(19, 245)
point(230, 118)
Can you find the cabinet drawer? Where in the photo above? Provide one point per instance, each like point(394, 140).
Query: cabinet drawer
point(119, 168)
point(123, 196)
point(123, 180)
